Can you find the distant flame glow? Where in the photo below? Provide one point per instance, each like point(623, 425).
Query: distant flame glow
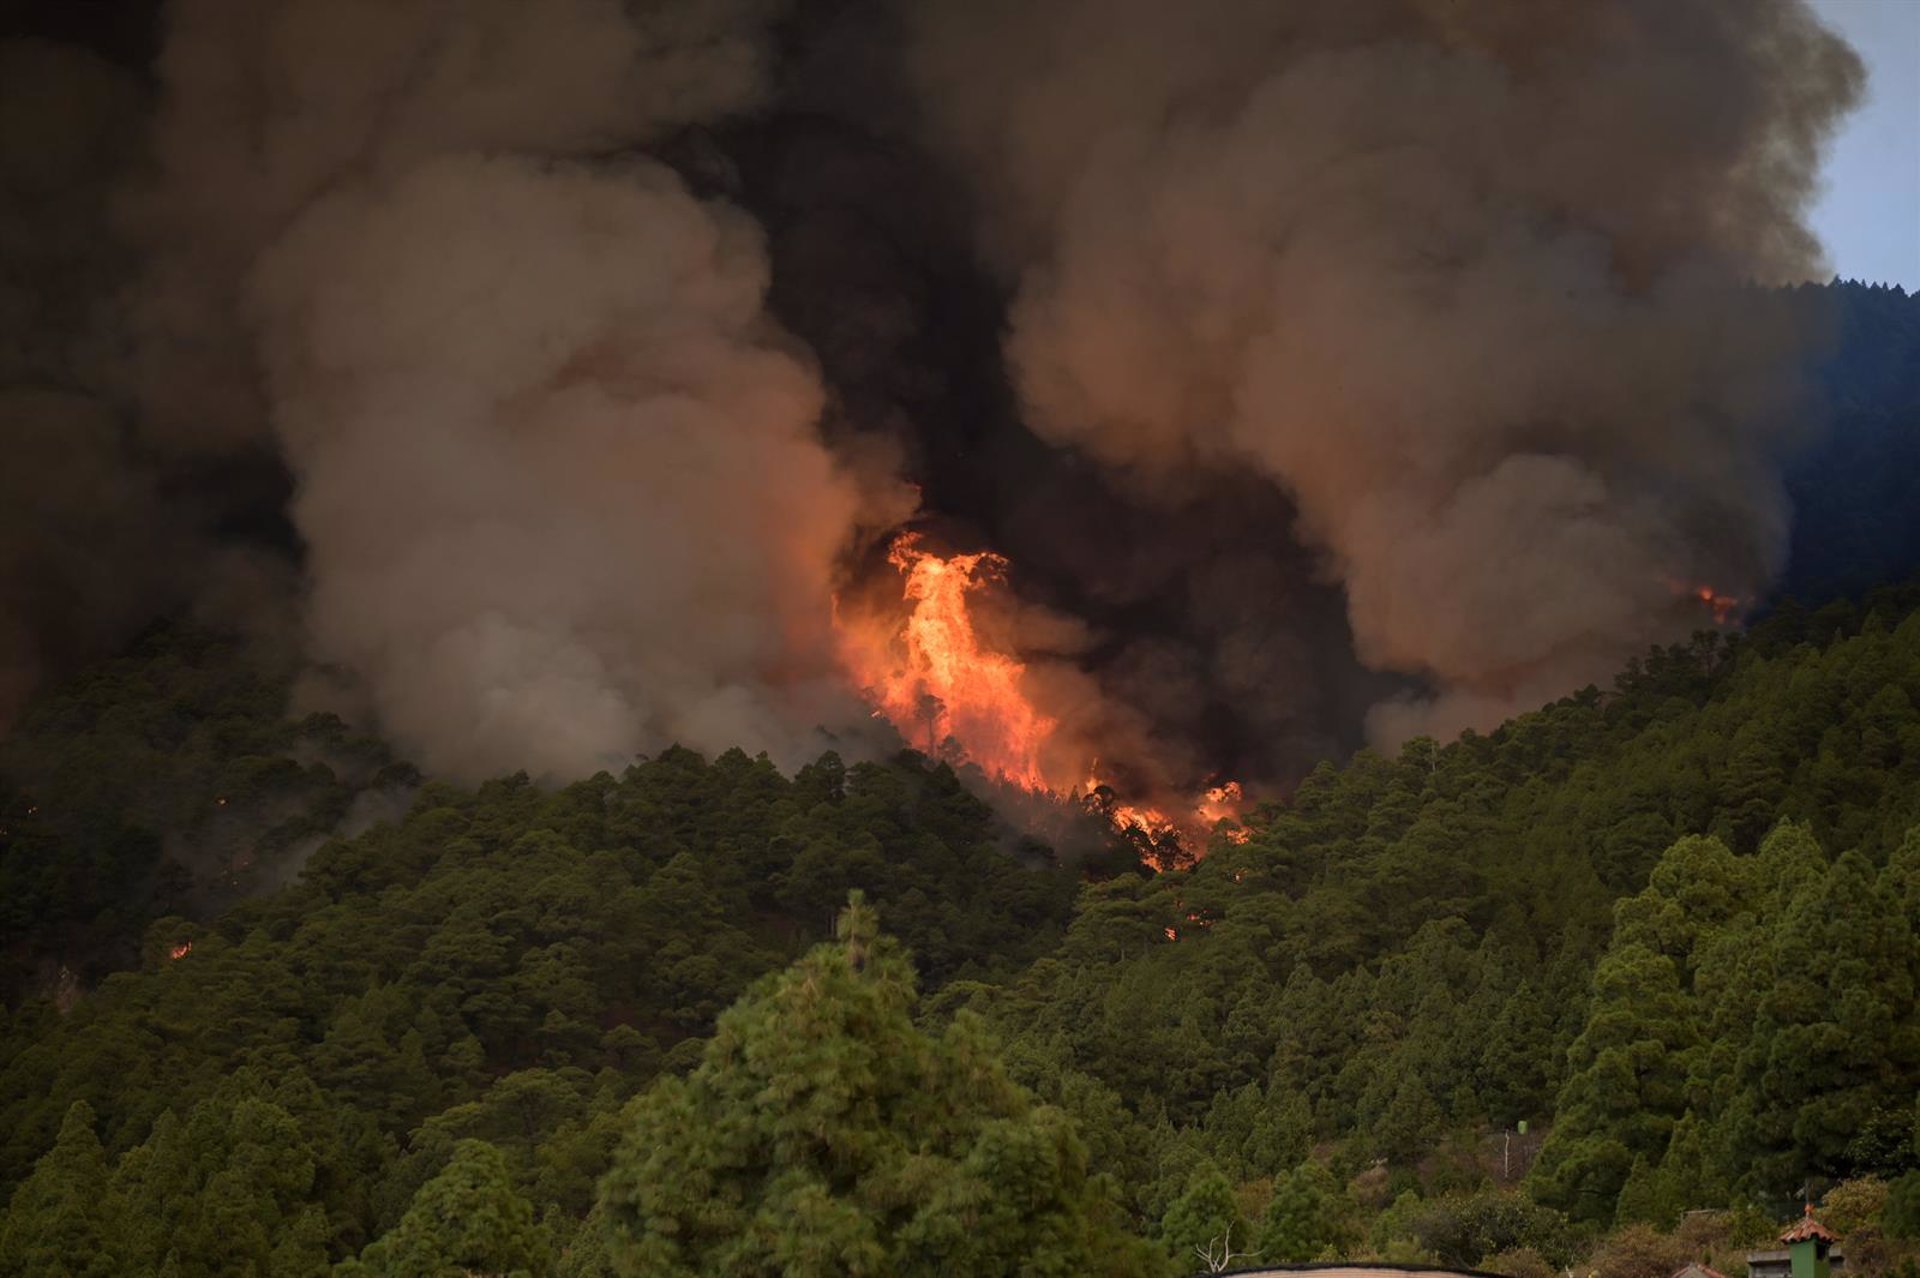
point(181, 950)
point(1723, 606)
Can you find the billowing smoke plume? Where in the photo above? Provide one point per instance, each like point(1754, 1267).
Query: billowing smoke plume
point(1302, 359)
point(557, 478)
point(1471, 281)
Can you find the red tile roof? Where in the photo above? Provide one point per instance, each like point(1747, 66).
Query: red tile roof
point(1807, 1227)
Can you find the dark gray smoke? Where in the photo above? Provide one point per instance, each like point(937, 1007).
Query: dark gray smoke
point(76, 502)
point(1206, 641)
point(559, 485)
point(104, 524)
point(1307, 360)
point(1470, 281)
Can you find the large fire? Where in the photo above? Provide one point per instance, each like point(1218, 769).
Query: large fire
point(946, 692)
point(929, 671)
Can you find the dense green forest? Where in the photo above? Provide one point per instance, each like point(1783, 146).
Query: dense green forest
point(276, 1006)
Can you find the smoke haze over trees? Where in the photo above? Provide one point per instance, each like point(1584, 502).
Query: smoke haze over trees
point(541, 375)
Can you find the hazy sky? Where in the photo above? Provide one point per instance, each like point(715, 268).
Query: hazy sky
point(1870, 214)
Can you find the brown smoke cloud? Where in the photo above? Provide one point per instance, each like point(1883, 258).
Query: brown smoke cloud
point(555, 467)
point(1460, 294)
point(1474, 282)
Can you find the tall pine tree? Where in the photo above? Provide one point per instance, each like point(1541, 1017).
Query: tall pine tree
point(823, 1133)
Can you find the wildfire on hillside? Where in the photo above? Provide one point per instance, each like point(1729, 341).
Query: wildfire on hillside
point(930, 670)
point(936, 681)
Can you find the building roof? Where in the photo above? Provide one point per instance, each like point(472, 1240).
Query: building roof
point(1807, 1227)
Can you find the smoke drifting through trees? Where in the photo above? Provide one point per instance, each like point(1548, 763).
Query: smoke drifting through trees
point(1351, 349)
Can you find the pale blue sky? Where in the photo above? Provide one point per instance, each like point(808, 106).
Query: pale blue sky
point(1869, 215)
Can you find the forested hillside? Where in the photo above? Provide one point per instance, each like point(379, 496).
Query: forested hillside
point(1670, 925)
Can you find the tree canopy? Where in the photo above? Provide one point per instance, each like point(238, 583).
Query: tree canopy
point(1670, 925)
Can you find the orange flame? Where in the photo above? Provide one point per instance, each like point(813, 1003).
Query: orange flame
point(1221, 803)
point(1150, 821)
point(954, 696)
point(940, 685)
point(1723, 606)
point(181, 950)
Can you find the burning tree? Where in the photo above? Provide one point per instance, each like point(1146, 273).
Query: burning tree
point(932, 670)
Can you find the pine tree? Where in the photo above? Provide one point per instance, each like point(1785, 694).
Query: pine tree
point(1282, 1132)
point(1513, 1066)
point(1835, 1040)
point(1750, 783)
point(61, 1222)
point(823, 1133)
point(1689, 1178)
point(1412, 1123)
point(1204, 1217)
point(1304, 1217)
point(256, 1183)
point(230, 1190)
point(1627, 1085)
point(1639, 1202)
point(467, 1220)
point(155, 1181)
point(1901, 878)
